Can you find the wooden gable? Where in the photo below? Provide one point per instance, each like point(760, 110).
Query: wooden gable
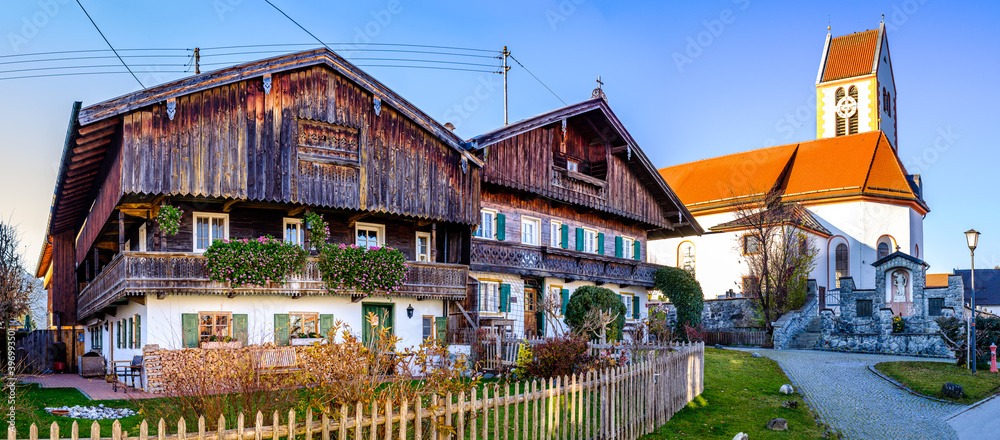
point(315, 138)
point(582, 158)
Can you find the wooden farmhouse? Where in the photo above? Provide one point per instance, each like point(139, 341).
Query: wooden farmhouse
point(565, 199)
point(568, 200)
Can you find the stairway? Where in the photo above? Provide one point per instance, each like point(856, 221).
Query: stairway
point(808, 338)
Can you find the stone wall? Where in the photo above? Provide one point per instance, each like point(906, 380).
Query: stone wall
point(875, 335)
point(720, 314)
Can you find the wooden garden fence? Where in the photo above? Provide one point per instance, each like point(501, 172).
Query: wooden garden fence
point(737, 337)
point(620, 403)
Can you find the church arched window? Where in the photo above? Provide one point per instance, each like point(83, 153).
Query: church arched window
point(852, 121)
point(842, 259)
point(883, 250)
point(841, 122)
point(686, 257)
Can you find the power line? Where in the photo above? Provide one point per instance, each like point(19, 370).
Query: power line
point(62, 52)
point(261, 52)
point(82, 73)
point(536, 79)
point(35, 69)
point(349, 44)
point(109, 44)
point(46, 60)
point(297, 24)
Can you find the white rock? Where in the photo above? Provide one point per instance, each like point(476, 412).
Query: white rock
point(786, 389)
point(741, 436)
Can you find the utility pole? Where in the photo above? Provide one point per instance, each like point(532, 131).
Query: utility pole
point(197, 60)
point(506, 68)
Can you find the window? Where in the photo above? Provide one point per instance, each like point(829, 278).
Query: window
point(852, 120)
point(628, 248)
point(216, 324)
point(883, 250)
point(555, 233)
point(686, 257)
point(556, 294)
point(934, 306)
point(841, 122)
point(423, 246)
point(864, 308)
point(590, 240)
point(751, 244)
point(294, 233)
point(428, 328)
point(487, 224)
point(842, 260)
point(208, 228)
point(530, 230)
point(368, 235)
point(573, 165)
point(628, 299)
point(489, 296)
point(750, 286)
point(303, 323)
point(96, 337)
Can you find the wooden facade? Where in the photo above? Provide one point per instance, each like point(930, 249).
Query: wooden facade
point(259, 142)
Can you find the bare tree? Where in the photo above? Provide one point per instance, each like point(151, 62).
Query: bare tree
point(551, 308)
point(595, 322)
point(777, 251)
point(16, 283)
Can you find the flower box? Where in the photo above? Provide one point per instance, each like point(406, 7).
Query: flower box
point(216, 345)
point(307, 341)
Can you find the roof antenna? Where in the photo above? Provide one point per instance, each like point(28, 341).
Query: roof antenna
point(828, 24)
point(883, 19)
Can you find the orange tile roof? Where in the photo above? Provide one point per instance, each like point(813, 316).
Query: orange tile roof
point(851, 55)
point(845, 166)
point(936, 280)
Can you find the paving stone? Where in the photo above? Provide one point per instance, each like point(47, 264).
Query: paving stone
point(860, 404)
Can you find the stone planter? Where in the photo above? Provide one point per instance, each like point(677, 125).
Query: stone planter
point(215, 345)
point(306, 341)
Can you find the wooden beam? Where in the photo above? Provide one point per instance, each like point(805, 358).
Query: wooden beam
point(88, 129)
point(92, 145)
point(88, 155)
point(139, 299)
point(294, 212)
point(161, 295)
point(121, 232)
point(354, 218)
point(95, 136)
point(357, 298)
point(110, 310)
point(86, 163)
point(228, 206)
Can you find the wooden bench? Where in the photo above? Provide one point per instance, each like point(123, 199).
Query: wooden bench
point(278, 360)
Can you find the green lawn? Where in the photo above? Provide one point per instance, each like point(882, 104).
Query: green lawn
point(33, 400)
point(928, 377)
point(741, 394)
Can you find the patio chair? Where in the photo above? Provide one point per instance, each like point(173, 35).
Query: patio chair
point(127, 369)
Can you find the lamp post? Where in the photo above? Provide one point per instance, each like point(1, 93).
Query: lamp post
point(972, 236)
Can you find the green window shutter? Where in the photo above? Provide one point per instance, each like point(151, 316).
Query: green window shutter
point(504, 297)
point(131, 325)
point(638, 247)
point(501, 227)
point(189, 329)
point(540, 324)
point(325, 324)
point(565, 300)
point(636, 313)
point(564, 236)
point(619, 246)
point(600, 243)
point(281, 329)
point(579, 239)
point(441, 325)
point(138, 331)
point(241, 328)
point(118, 334)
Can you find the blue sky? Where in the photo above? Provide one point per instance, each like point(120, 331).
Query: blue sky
point(690, 81)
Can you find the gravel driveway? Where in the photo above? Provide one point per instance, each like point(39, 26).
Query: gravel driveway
point(858, 403)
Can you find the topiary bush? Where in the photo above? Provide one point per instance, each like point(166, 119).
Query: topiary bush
point(684, 292)
point(587, 298)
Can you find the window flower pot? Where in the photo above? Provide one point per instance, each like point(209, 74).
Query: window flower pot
point(216, 345)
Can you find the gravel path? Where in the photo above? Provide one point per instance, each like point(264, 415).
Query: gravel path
point(860, 404)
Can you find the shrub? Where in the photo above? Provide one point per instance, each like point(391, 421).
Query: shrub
point(694, 333)
point(898, 324)
point(684, 293)
point(368, 270)
point(587, 299)
point(253, 262)
point(319, 231)
point(169, 219)
point(558, 357)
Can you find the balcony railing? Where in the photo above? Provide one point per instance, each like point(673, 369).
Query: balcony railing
point(133, 274)
point(492, 256)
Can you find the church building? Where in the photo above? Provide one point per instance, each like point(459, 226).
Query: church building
point(853, 198)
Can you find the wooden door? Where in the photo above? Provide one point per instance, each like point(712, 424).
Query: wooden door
point(530, 307)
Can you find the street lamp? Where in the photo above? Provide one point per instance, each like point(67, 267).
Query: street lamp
point(972, 236)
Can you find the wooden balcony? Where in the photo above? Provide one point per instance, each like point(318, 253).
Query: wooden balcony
point(138, 274)
point(494, 256)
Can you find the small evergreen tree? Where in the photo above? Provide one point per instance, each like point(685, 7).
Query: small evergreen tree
point(684, 292)
point(588, 300)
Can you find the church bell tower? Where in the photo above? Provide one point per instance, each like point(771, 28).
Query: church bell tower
point(855, 91)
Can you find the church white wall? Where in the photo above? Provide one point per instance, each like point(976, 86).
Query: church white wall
point(860, 225)
point(828, 105)
point(917, 234)
point(887, 120)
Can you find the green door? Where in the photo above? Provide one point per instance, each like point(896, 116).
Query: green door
point(374, 318)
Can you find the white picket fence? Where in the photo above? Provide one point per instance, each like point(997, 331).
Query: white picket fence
point(621, 403)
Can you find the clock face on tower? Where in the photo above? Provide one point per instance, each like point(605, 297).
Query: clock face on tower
point(846, 107)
